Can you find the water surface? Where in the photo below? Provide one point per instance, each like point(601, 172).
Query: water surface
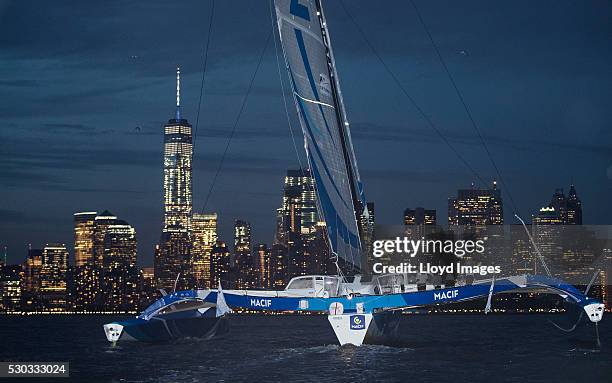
point(434, 348)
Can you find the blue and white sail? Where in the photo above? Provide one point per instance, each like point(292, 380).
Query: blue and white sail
point(310, 63)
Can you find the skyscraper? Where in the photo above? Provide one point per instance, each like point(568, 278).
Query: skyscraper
point(262, 265)
point(316, 256)
point(476, 207)
point(10, 288)
point(245, 273)
point(119, 274)
point(420, 222)
point(33, 267)
point(86, 244)
point(220, 264)
point(547, 216)
point(178, 154)
point(101, 224)
point(88, 278)
point(84, 224)
point(568, 209)
point(53, 277)
point(173, 258)
point(204, 233)
point(278, 267)
point(367, 223)
point(298, 229)
point(419, 216)
point(172, 262)
point(146, 290)
point(242, 237)
point(574, 207)
point(298, 212)
point(31, 279)
point(567, 246)
point(547, 233)
point(105, 275)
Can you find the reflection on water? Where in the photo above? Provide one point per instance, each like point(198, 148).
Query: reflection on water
point(303, 349)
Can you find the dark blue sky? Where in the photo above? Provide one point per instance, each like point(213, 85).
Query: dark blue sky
point(77, 78)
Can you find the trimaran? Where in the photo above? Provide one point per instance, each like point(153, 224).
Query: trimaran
point(358, 311)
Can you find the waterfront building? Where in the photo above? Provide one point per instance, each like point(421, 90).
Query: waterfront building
point(10, 288)
point(104, 277)
point(220, 265)
point(317, 257)
point(419, 216)
point(89, 235)
point(558, 203)
point(173, 256)
point(173, 260)
point(178, 155)
point(262, 265)
point(574, 208)
point(101, 224)
point(53, 277)
point(278, 267)
point(119, 275)
point(84, 225)
point(547, 232)
point(33, 267)
point(476, 207)
point(204, 234)
point(299, 201)
point(244, 265)
point(367, 225)
point(147, 292)
point(548, 215)
point(298, 229)
point(568, 209)
point(605, 284)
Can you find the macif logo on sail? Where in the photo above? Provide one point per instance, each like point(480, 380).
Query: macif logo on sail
point(357, 322)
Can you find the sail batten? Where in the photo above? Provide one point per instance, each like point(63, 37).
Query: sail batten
point(309, 60)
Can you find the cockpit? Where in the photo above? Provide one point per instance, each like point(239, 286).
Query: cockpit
point(321, 286)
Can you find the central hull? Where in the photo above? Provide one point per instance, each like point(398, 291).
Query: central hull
point(367, 328)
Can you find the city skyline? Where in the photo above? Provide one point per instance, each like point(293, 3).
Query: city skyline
point(108, 157)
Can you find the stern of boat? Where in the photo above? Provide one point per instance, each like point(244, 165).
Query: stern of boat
point(113, 332)
point(594, 311)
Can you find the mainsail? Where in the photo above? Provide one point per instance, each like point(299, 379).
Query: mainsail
point(310, 63)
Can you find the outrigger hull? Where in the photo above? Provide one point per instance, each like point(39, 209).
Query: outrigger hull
point(183, 314)
point(164, 328)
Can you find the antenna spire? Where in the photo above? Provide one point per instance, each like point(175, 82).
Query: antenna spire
point(178, 93)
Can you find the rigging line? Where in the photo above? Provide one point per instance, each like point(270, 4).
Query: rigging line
point(282, 85)
point(412, 100)
point(204, 65)
point(465, 106)
point(229, 140)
